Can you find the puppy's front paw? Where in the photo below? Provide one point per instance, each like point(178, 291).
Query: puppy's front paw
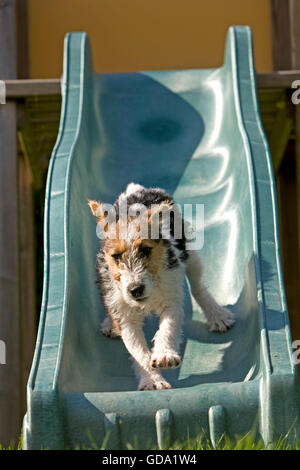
point(107, 328)
point(165, 360)
point(221, 320)
point(154, 384)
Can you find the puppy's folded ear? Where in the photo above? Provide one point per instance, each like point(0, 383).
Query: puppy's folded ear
point(96, 208)
point(105, 218)
point(98, 211)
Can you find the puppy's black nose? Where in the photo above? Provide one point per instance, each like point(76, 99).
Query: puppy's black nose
point(136, 291)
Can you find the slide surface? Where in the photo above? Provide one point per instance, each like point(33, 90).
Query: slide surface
point(198, 135)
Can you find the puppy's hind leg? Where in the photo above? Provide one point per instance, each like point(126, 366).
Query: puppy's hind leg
point(218, 318)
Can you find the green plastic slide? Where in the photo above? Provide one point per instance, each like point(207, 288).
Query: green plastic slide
point(198, 135)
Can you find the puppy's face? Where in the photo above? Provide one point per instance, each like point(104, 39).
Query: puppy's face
point(134, 266)
point(134, 262)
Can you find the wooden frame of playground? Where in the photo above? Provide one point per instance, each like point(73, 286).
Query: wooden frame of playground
point(32, 107)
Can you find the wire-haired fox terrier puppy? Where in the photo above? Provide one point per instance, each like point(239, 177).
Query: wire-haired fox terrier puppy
point(140, 273)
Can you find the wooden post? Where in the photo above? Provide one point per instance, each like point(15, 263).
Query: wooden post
point(27, 267)
point(9, 274)
point(285, 16)
point(281, 34)
point(295, 33)
point(286, 56)
point(27, 252)
point(22, 47)
point(295, 247)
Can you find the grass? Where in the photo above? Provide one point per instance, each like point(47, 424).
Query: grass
point(13, 445)
point(246, 442)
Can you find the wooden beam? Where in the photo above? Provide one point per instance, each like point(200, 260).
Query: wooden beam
point(23, 88)
point(47, 87)
point(280, 79)
point(52, 86)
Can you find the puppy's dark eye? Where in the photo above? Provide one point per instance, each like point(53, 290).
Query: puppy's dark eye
point(117, 257)
point(145, 251)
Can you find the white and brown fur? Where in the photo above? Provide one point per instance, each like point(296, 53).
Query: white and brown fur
point(139, 275)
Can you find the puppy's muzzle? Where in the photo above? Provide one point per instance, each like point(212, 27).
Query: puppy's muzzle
point(136, 291)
